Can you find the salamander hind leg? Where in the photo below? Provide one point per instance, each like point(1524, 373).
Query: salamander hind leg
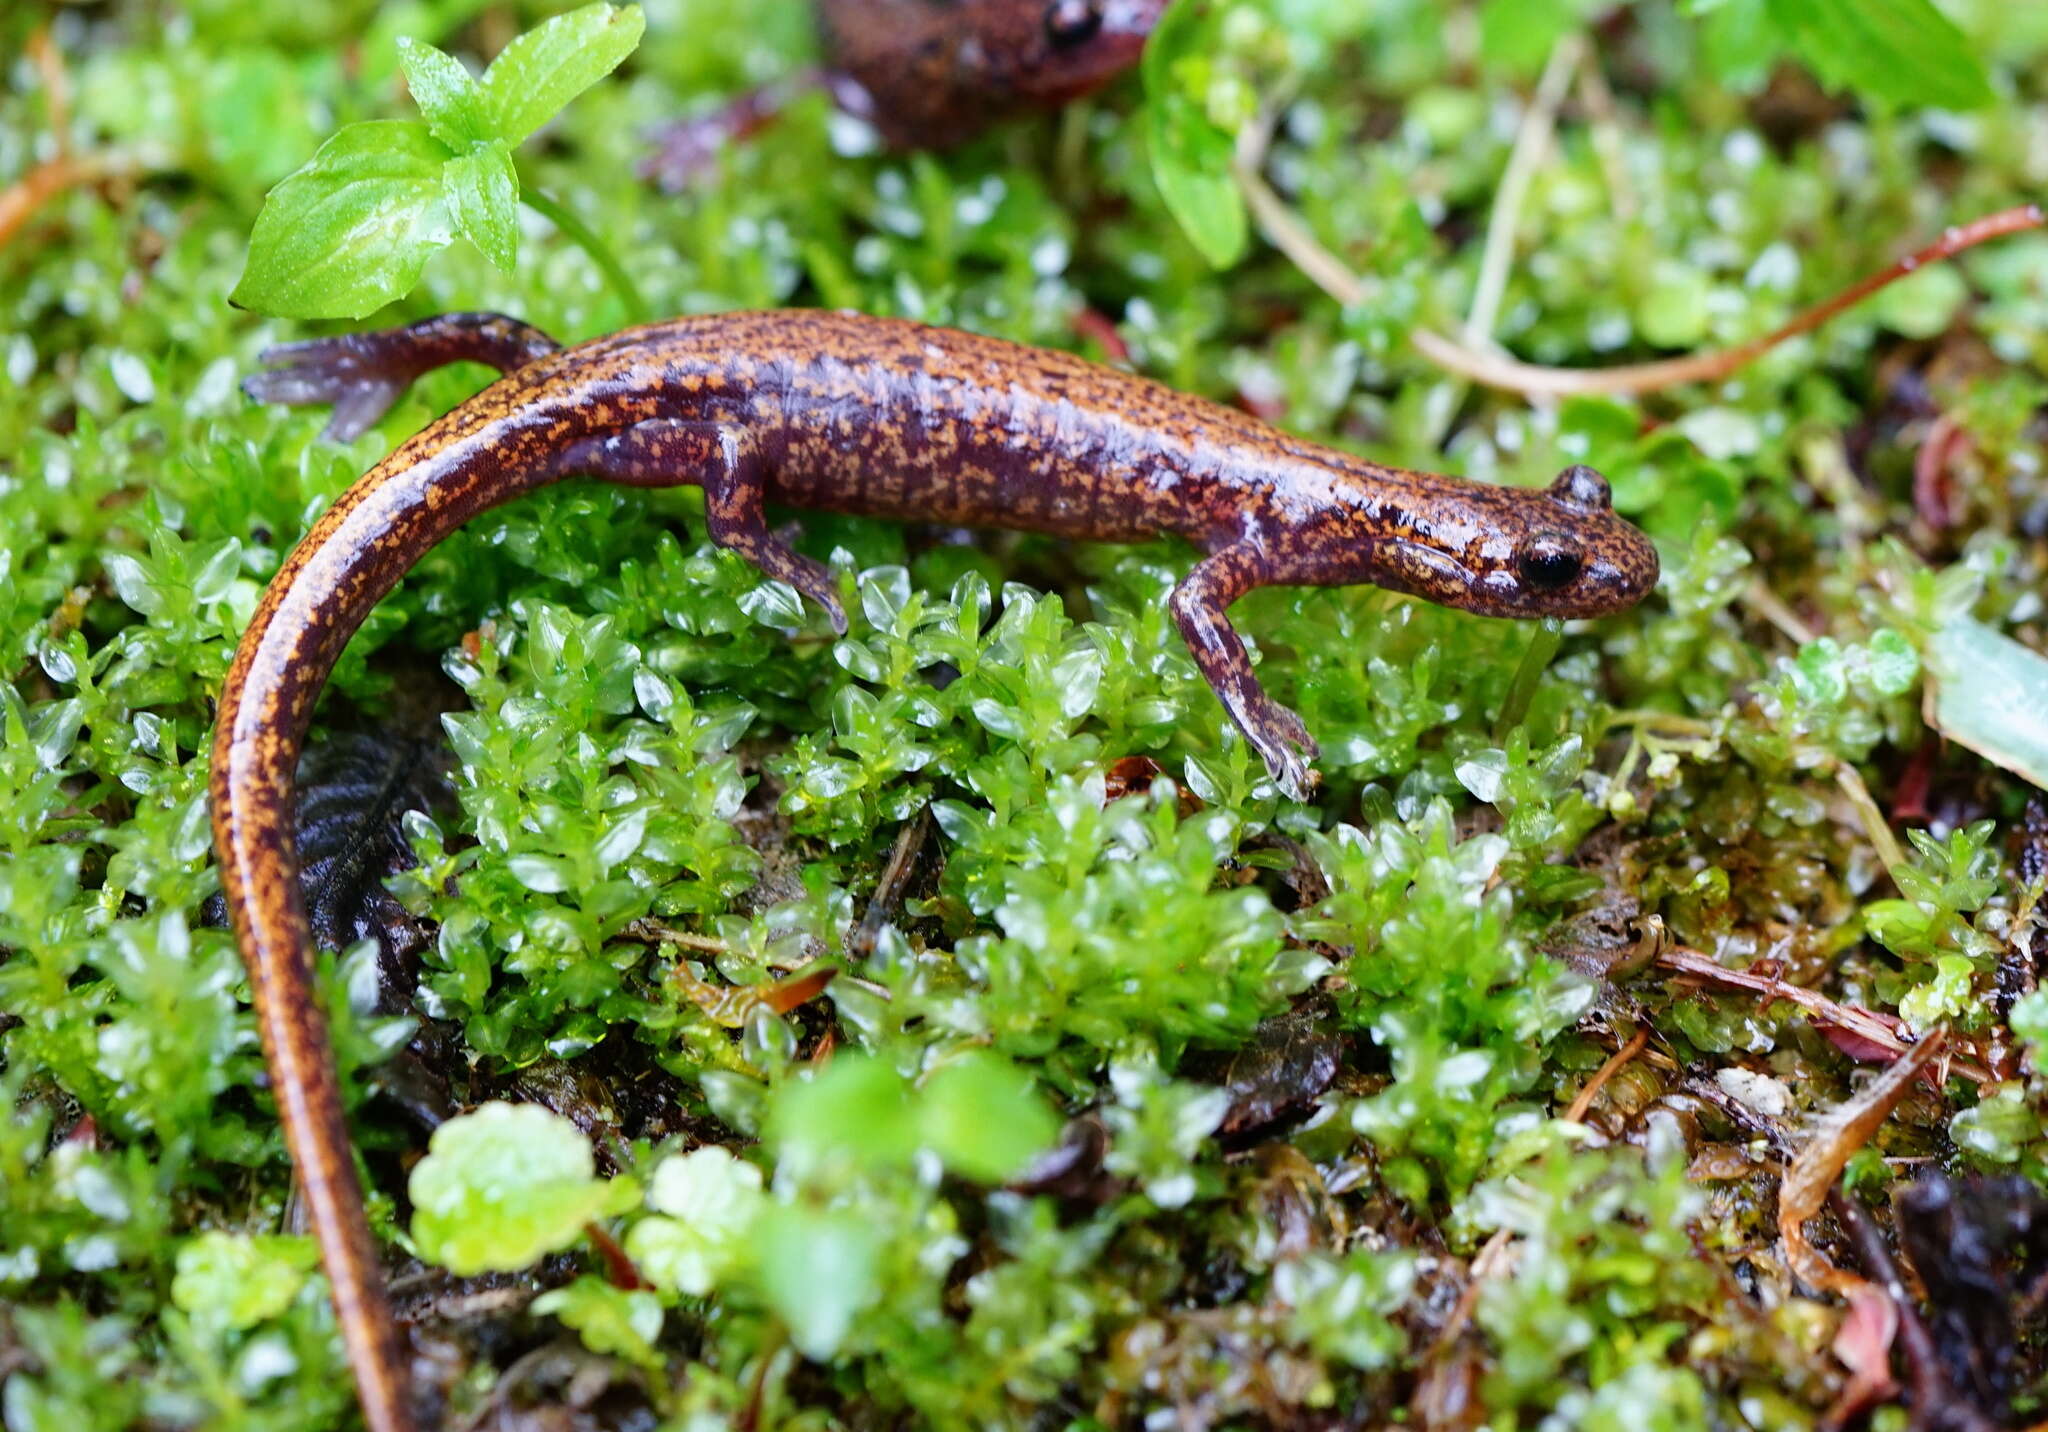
point(362, 374)
point(670, 452)
point(1276, 733)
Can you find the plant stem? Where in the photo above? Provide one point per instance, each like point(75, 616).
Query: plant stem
point(580, 234)
point(1543, 644)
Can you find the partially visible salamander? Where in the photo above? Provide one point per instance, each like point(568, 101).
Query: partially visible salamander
point(843, 413)
point(929, 74)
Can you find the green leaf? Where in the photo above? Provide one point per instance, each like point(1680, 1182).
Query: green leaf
point(236, 1280)
point(1991, 695)
point(856, 1111)
point(1190, 153)
point(2029, 1018)
point(448, 97)
point(981, 1116)
point(1921, 305)
point(543, 69)
point(1518, 35)
point(1739, 40)
point(503, 1186)
point(1905, 52)
point(713, 1200)
point(1893, 664)
point(613, 1322)
point(483, 197)
point(819, 1269)
point(348, 232)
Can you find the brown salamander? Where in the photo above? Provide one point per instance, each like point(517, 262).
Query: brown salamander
point(840, 412)
point(929, 74)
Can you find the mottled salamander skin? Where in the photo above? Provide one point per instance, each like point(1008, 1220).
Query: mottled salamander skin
point(930, 74)
point(838, 412)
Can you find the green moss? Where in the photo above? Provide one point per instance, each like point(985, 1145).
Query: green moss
point(671, 788)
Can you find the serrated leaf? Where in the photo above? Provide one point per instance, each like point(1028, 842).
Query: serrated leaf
point(448, 97)
point(237, 1280)
point(1894, 665)
point(1903, 51)
point(543, 69)
point(613, 1322)
point(713, 1201)
point(483, 198)
point(350, 230)
point(503, 1186)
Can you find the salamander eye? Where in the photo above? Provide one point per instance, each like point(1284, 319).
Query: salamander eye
point(1549, 563)
point(1583, 488)
point(1072, 22)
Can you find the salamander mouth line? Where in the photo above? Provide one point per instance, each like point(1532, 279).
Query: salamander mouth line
point(1420, 557)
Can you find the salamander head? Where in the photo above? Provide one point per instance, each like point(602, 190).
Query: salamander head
point(1047, 52)
point(932, 73)
point(1557, 553)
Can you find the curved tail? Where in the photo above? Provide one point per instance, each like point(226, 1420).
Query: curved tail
point(500, 444)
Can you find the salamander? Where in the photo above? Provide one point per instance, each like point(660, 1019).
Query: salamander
point(929, 74)
point(839, 412)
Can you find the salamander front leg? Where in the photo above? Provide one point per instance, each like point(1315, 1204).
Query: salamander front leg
point(734, 512)
point(362, 374)
point(668, 453)
point(1276, 733)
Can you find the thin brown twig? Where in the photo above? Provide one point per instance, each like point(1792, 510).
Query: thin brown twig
point(1583, 1101)
point(41, 184)
point(1496, 370)
point(1862, 1024)
point(890, 885)
point(1484, 1262)
point(1282, 227)
point(1819, 1163)
point(1759, 599)
point(1876, 829)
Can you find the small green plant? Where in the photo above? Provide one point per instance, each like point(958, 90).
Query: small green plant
point(350, 230)
point(503, 1185)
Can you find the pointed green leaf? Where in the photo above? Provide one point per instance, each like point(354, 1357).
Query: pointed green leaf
point(483, 198)
point(350, 231)
point(542, 70)
point(1905, 52)
point(448, 97)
